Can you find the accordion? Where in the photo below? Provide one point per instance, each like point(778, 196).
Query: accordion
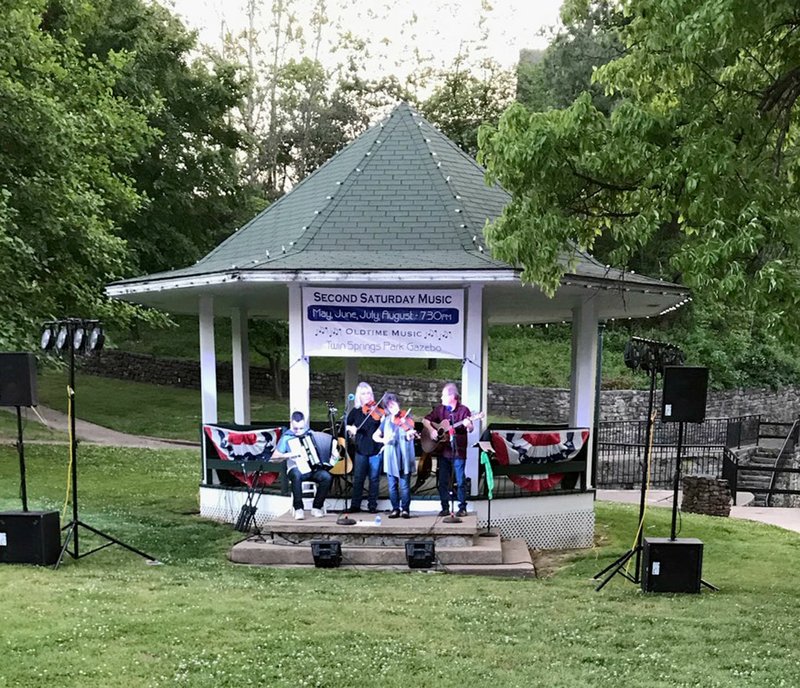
point(306, 454)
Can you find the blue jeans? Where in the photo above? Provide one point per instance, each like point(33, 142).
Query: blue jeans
point(446, 466)
point(319, 476)
point(366, 465)
point(400, 492)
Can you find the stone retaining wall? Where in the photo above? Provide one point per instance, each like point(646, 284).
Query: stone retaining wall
point(706, 495)
point(788, 481)
point(538, 404)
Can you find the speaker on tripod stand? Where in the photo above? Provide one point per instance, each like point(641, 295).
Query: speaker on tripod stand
point(673, 564)
point(26, 537)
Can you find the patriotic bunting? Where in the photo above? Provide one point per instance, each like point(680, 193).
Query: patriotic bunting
point(537, 447)
point(247, 445)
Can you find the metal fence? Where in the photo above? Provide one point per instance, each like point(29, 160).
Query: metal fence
point(622, 446)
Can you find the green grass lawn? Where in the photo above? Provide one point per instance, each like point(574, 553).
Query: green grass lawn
point(143, 409)
point(112, 620)
point(32, 429)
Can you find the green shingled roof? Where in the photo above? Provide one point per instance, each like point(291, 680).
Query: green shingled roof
point(399, 190)
point(402, 196)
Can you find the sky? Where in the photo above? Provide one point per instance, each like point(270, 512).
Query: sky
point(400, 31)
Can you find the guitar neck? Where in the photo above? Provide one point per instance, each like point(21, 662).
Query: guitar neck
point(461, 422)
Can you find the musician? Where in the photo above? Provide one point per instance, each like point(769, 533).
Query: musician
point(453, 455)
point(399, 457)
point(318, 474)
point(361, 426)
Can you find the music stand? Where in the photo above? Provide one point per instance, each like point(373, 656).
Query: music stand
point(246, 520)
point(486, 448)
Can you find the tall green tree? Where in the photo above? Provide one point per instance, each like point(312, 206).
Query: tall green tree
point(467, 97)
point(703, 145)
point(65, 141)
point(190, 175)
point(555, 77)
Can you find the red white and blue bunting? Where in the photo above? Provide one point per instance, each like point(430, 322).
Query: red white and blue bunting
point(536, 447)
point(245, 445)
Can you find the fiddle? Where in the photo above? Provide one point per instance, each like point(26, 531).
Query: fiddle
point(403, 420)
point(374, 411)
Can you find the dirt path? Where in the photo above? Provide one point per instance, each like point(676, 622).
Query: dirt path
point(97, 434)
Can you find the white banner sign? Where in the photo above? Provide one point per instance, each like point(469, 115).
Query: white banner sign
point(393, 323)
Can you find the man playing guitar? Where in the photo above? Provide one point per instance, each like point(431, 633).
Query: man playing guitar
point(452, 454)
point(317, 473)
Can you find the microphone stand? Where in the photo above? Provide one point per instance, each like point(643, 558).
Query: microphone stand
point(452, 518)
point(343, 519)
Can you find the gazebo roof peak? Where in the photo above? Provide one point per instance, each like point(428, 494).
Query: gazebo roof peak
point(398, 193)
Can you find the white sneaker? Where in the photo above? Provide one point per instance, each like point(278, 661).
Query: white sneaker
point(318, 513)
point(299, 514)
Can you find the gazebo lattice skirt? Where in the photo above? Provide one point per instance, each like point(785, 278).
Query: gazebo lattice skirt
point(560, 521)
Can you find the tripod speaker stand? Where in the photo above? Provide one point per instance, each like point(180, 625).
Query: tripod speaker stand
point(650, 356)
point(73, 333)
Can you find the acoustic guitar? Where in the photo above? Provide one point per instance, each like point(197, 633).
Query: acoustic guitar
point(435, 446)
point(344, 465)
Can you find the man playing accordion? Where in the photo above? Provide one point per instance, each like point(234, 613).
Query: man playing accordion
point(296, 445)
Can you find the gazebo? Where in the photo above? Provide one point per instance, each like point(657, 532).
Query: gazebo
point(380, 252)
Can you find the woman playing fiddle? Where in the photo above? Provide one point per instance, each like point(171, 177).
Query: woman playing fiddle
point(362, 422)
point(396, 433)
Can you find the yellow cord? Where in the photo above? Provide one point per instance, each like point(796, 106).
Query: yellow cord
point(649, 455)
point(70, 393)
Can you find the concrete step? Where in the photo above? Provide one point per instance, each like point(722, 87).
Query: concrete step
point(489, 557)
point(517, 563)
point(365, 533)
point(484, 551)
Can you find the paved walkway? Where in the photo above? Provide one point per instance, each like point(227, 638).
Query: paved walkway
point(788, 519)
point(97, 434)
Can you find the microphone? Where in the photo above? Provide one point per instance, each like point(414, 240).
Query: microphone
point(351, 397)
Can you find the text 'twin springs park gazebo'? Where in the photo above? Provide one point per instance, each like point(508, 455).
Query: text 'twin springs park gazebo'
point(380, 252)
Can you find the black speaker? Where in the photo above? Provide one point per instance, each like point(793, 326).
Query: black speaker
point(30, 537)
point(685, 392)
point(672, 565)
point(420, 554)
point(17, 379)
point(327, 553)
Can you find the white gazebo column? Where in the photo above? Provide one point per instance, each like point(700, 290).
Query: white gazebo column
point(240, 359)
point(299, 370)
point(350, 376)
point(472, 377)
point(584, 374)
point(208, 361)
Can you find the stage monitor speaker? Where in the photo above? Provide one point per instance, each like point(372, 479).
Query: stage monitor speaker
point(17, 379)
point(685, 392)
point(672, 565)
point(30, 537)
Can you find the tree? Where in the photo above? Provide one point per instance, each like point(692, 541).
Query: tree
point(463, 102)
point(703, 145)
point(64, 140)
point(555, 77)
point(189, 175)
